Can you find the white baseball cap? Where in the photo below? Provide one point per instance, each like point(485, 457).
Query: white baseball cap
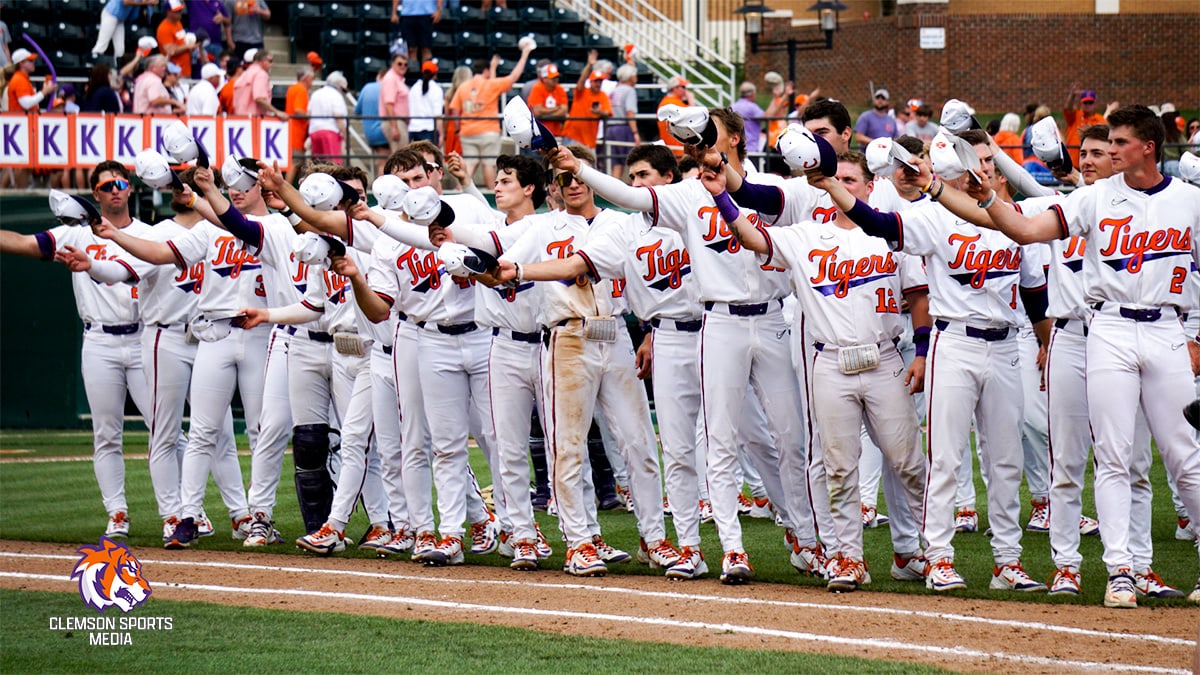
point(248, 57)
point(240, 173)
point(527, 41)
point(1048, 146)
point(461, 261)
point(71, 209)
point(804, 150)
point(181, 146)
point(1189, 168)
point(882, 93)
point(315, 249)
point(389, 191)
point(147, 43)
point(22, 54)
point(689, 125)
point(155, 170)
point(211, 70)
point(324, 192)
point(958, 116)
point(424, 206)
point(952, 156)
point(521, 125)
point(879, 156)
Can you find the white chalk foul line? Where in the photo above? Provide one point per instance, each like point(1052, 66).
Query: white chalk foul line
point(668, 595)
point(961, 652)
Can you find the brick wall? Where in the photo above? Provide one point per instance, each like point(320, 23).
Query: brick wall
point(999, 62)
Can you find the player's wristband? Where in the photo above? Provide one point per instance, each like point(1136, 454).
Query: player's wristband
point(520, 273)
point(192, 201)
point(921, 340)
point(729, 210)
point(287, 213)
point(941, 187)
point(294, 219)
point(988, 202)
point(932, 181)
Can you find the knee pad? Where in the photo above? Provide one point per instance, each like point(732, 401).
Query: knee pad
point(310, 446)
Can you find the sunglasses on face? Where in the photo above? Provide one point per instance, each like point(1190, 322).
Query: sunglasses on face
point(68, 220)
point(565, 179)
point(114, 185)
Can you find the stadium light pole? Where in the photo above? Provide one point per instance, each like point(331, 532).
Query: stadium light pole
point(827, 21)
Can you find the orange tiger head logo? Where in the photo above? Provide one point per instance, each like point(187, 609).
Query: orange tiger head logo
point(109, 575)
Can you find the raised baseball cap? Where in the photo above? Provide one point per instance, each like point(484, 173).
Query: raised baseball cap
point(773, 78)
point(248, 57)
point(239, 173)
point(424, 206)
point(1087, 96)
point(952, 156)
point(181, 146)
point(314, 59)
point(548, 71)
point(324, 192)
point(460, 260)
point(1189, 168)
point(312, 248)
point(958, 116)
point(879, 156)
point(689, 125)
point(155, 170)
point(527, 41)
point(803, 150)
point(23, 54)
point(1048, 146)
point(69, 209)
point(526, 130)
point(389, 191)
point(147, 44)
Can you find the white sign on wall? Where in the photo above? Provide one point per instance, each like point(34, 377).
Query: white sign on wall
point(933, 38)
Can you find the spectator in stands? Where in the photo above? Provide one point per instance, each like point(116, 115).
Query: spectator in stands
point(5, 39)
point(1172, 140)
point(476, 105)
point(589, 106)
point(202, 97)
point(22, 97)
point(1080, 112)
point(876, 122)
point(368, 104)
point(172, 38)
point(548, 99)
point(112, 26)
point(393, 102)
point(747, 106)
point(327, 118)
point(99, 95)
point(233, 70)
point(415, 19)
point(777, 112)
point(1193, 134)
point(903, 114)
point(212, 17)
point(1007, 137)
point(246, 24)
point(922, 127)
point(314, 60)
point(174, 87)
point(150, 95)
point(678, 94)
point(453, 142)
point(252, 92)
point(426, 102)
point(296, 108)
point(621, 132)
point(527, 88)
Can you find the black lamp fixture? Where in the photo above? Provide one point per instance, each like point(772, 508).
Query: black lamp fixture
point(827, 12)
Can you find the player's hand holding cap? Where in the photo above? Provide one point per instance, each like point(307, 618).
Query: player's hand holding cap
point(324, 192)
point(521, 125)
point(146, 44)
point(181, 146)
point(1048, 145)
point(155, 170)
point(527, 42)
point(316, 249)
point(804, 151)
point(952, 156)
point(424, 206)
point(689, 125)
point(389, 191)
point(958, 116)
point(461, 261)
point(240, 173)
point(71, 209)
point(1189, 168)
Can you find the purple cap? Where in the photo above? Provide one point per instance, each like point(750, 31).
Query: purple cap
point(1088, 96)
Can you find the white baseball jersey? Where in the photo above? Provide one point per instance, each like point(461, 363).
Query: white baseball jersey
point(560, 235)
point(801, 201)
point(96, 302)
point(286, 277)
point(850, 285)
point(884, 196)
point(1141, 245)
point(512, 308)
point(415, 282)
point(468, 209)
point(1064, 273)
point(233, 278)
point(169, 294)
point(656, 267)
point(974, 273)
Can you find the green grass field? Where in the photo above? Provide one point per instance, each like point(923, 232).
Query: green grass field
point(58, 501)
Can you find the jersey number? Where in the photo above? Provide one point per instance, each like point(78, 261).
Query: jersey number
point(1012, 304)
point(1177, 276)
point(886, 301)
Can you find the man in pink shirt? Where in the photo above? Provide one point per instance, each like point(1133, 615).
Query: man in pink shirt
point(252, 91)
point(393, 102)
point(149, 93)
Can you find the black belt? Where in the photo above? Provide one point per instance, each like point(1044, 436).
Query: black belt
point(531, 338)
point(757, 309)
point(986, 334)
point(453, 328)
point(402, 316)
point(1063, 323)
point(387, 349)
point(168, 326)
point(820, 346)
point(1139, 315)
point(290, 330)
point(318, 336)
point(118, 329)
point(682, 326)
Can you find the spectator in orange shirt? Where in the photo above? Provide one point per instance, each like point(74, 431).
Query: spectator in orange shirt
point(173, 39)
point(589, 107)
point(1080, 112)
point(677, 93)
point(548, 99)
point(233, 69)
point(1007, 137)
point(296, 109)
point(252, 92)
point(475, 103)
point(22, 97)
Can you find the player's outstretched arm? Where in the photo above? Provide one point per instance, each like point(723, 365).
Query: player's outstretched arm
point(104, 271)
point(153, 252)
point(1044, 226)
point(750, 236)
point(331, 222)
point(15, 243)
point(614, 190)
point(375, 308)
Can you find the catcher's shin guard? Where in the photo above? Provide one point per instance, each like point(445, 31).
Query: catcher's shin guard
point(314, 485)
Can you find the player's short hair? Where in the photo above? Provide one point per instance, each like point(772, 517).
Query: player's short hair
point(1146, 126)
point(347, 173)
point(1098, 132)
point(107, 165)
point(582, 152)
point(734, 124)
point(404, 159)
point(974, 136)
point(687, 163)
point(912, 144)
point(528, 172)
point(830, 108)
point(428, 148)
point(855, 157)
point(659, 157)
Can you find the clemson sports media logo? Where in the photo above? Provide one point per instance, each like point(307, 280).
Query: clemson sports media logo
point(110, 575)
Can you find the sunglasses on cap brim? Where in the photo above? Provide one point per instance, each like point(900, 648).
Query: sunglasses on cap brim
point(114, 185)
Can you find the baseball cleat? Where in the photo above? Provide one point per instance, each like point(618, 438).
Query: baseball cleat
point(204, 526)
point(505, 547)
point(1148, 584)
point(706, 512)
point(626, 498)
point(691, 565)
point(262, 532)
point(609, 554)
point(735, 568)
point(966, 520)
point(585, 562)
point(908, 569)
point(1120, 593)
point(118, 526)
point(941, 576)
point(423, 545)
point(744, 504)
point(184, 535)
point(449, 551)
point(762, 508)
point(239, 528)
point(1088, 526)
point(849, 575)
point(484, 536)
point(664, 555)
point(1183, 529)
point(543, 547)
point(324, 541)
point(810, 560)
point(1194, 596)
point(870, 517)
point(1065, 582)
point(525, 557)
point(1013, 578)
point(1039, 517)
point(169, 528)
point(400, 543)
point(375, 539)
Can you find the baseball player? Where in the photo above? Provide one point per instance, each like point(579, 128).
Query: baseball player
point(1140, 232)
point(974, 278)
point(111, 355)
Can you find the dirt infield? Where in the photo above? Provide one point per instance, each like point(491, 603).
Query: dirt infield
point(963, 634)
